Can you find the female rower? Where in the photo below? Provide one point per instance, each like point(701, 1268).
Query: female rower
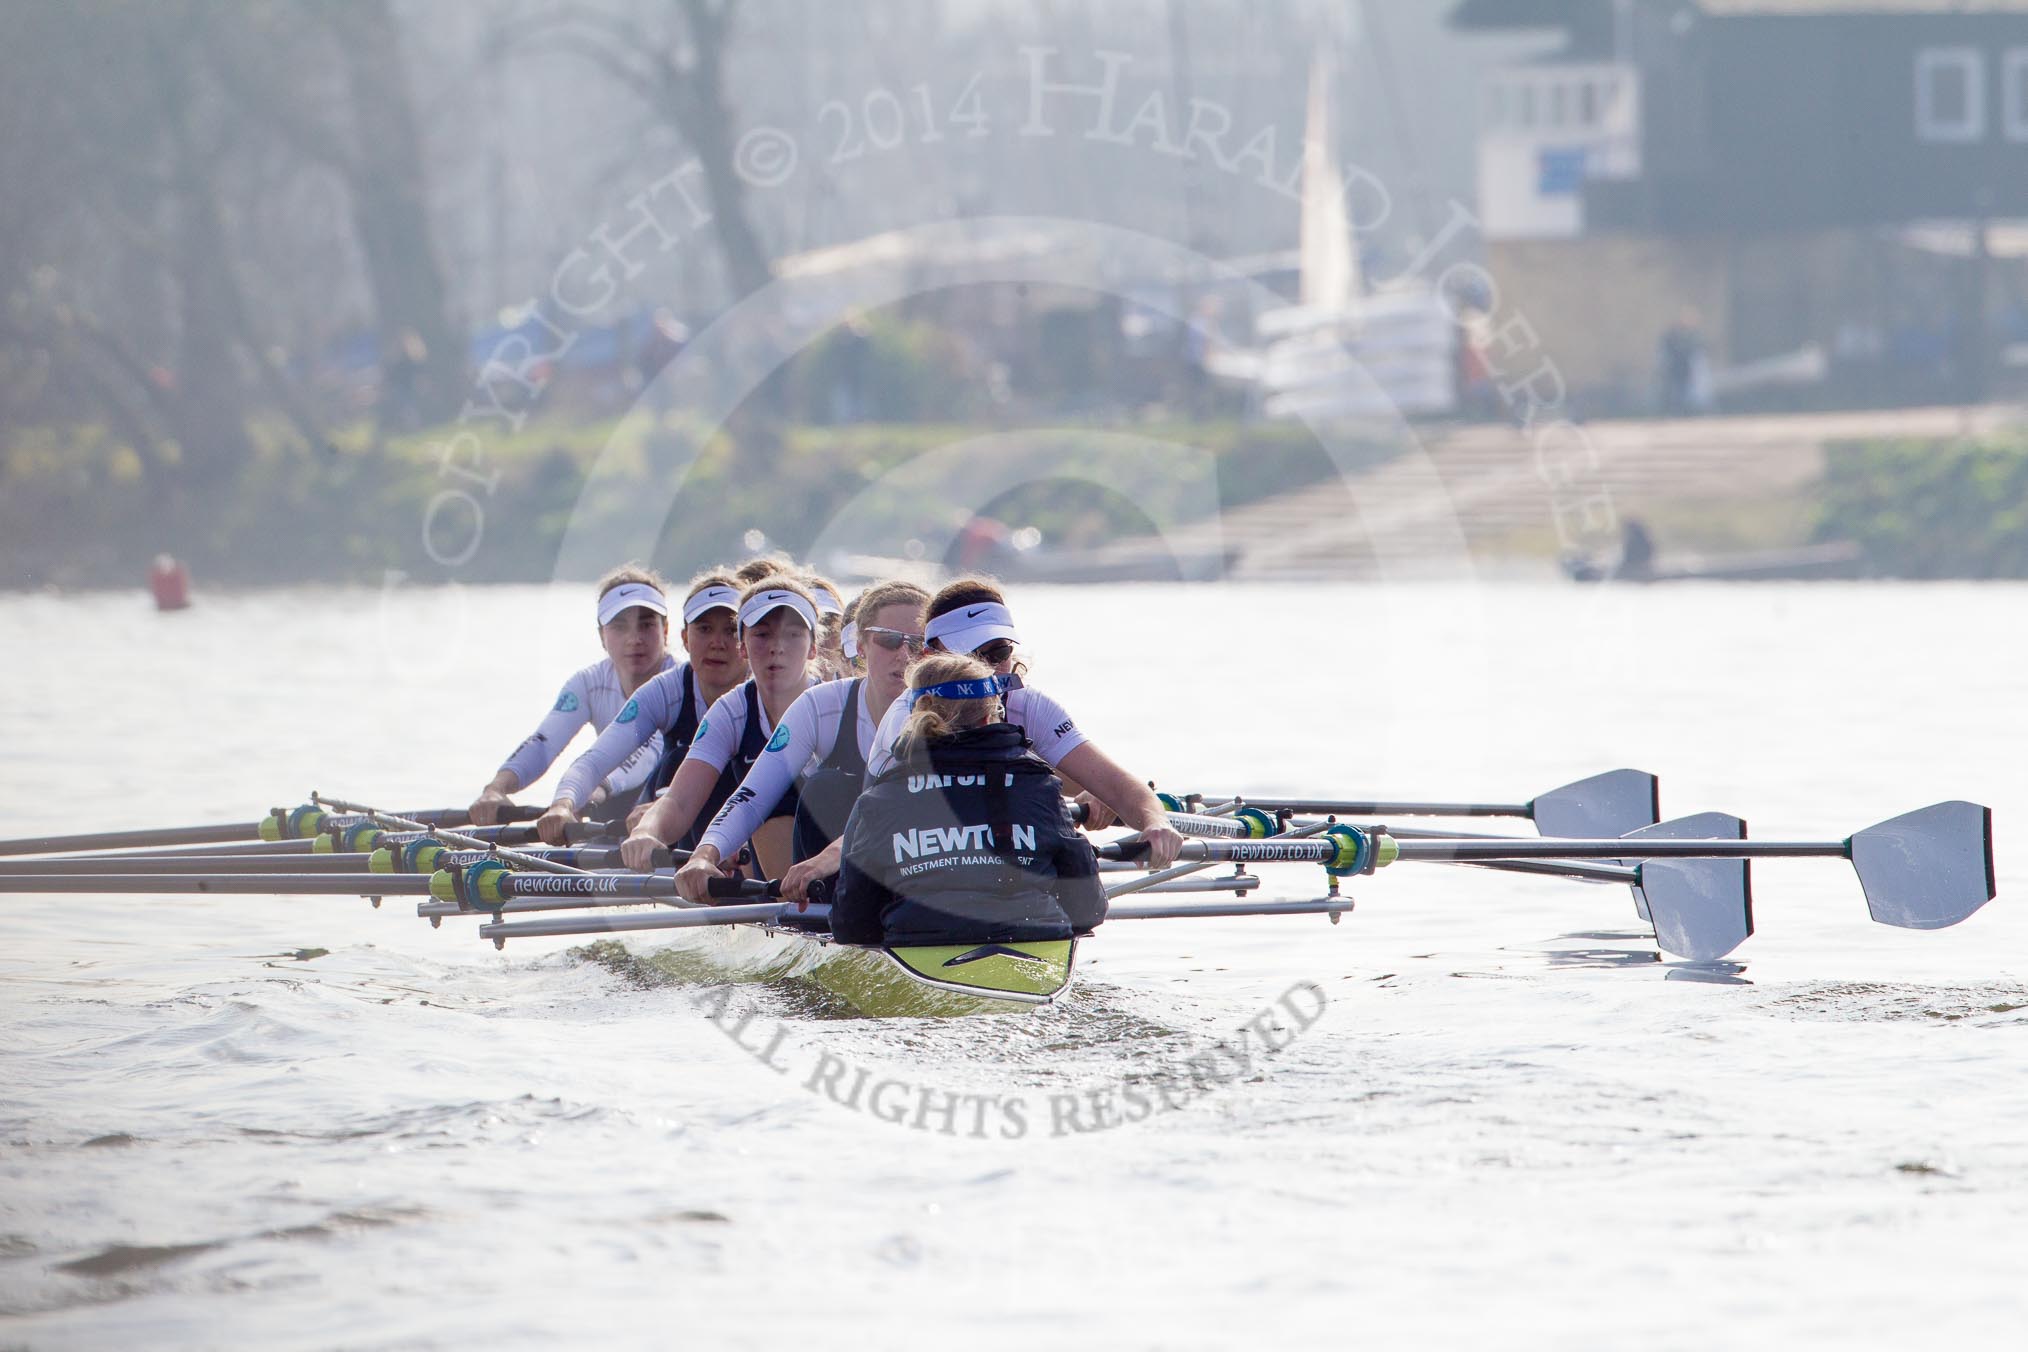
point(633, 616)
point(820, 750)
point(848, 637)
point(763, 565)
point(831, 619)
point(671, 704)
point(986, 856)
point(970, 616)
point(778, 627)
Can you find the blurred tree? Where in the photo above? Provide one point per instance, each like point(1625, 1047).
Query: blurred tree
point(122, 149)
point(675, 62)
point(330, 80)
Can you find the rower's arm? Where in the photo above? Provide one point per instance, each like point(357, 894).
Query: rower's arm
point(1134, 801)
point(767, 779)
point(570, 712)
point(637, 722)
point(676, 810)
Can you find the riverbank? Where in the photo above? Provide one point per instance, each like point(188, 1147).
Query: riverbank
point(1924, 493)
point(1929, 492)
point(76, 509)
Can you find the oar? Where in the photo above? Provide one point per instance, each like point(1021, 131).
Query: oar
point(662, 886)
point(280, 824)
point(1922, 870)
point(1607, 804)
point(782, 912)
point(251, 849)
point(380, 817)
point(378, 861)
point(237, 884)
point(587, 833)
point(1250, 823)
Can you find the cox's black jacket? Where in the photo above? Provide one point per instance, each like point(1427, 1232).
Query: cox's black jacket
point(965, 841)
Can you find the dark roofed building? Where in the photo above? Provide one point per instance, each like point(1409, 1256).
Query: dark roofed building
point(1759, 161)
point(1699, 114)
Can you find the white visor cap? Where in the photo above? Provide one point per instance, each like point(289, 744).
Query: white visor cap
point(629, 594)
point(969, 628)
point(827, 601)
point(710, 598)
point(771, 600)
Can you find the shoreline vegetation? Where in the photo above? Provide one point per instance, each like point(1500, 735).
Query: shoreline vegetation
point(77, 510)
point(1928, 510)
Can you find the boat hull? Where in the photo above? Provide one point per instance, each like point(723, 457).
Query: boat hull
point(950, 981)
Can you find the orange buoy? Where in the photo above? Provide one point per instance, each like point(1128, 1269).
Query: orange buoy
point(169, 580)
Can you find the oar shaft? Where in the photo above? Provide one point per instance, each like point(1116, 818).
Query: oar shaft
point(437, 910)
point(251, 849)
point(757, 912)
point(250, 884)
point(1384, 808)
point(1278, 850)
point(646, 886)
point(187, 864)
point(1479, 849)
point(133, 840)
point(1157, 910)
point(1552, 868)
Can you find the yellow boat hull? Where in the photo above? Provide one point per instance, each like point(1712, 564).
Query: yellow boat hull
point(914, 982)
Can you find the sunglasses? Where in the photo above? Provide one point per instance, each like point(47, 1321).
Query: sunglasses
point(891, 639)
point(996, 652)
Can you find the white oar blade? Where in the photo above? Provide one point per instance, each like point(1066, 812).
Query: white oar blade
point(1696, 910)
point(1699, 826)
point(1928, 868)
point(1702, 909)
point(1598, 808)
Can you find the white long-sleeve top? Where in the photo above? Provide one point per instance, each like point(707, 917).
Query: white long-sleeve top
point(806, 734)
point(591, 695)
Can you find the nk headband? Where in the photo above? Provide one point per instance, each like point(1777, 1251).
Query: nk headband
point(983, 688)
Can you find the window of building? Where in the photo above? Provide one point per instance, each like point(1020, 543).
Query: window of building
point(2014, 92)
point(1950, 94)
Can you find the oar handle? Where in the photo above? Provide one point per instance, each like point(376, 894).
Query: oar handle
point(818, 892)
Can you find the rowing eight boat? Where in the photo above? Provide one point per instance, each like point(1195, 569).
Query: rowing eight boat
point(1923, 870)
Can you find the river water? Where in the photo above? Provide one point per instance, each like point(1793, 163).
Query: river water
point(1484, 1109)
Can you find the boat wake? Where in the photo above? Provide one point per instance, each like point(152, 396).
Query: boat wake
point(1880, 1002)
